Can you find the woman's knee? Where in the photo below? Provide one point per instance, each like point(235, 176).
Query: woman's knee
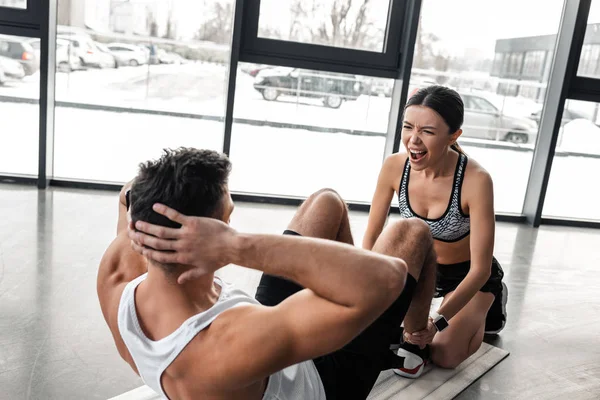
point(449, 357)
point(449, 362)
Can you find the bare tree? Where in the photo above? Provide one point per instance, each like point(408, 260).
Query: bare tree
point(427, 54)
point(151, 24)
point(217, 27)
point(171, 26)
point(347, 24)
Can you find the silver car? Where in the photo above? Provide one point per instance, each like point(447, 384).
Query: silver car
point(10, 70)
point(484, 121)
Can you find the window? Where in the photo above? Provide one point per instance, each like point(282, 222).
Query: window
point(20, 4)
point(515, 64)
point(356, 25)
point(573, 191)
point(23, 14)
point(159, 82)
point(533, 66)
point(361, 37)
point(494, 57)
point(590, 51)
point(481, 104)
point(530, 92)
point(589, 61)
point(19, 110)
point(498, 64)
point(296, 131)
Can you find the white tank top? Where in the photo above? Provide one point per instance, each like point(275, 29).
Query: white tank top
point(152, 357)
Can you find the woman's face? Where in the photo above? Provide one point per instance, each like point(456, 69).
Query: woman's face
point(426, 136)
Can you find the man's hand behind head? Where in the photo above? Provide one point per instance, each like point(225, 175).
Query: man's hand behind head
point(203, 243)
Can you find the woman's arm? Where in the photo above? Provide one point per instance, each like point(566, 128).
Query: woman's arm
point(480, 195)
point(381, 200)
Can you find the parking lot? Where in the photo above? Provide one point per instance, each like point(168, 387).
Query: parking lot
point(107, 145)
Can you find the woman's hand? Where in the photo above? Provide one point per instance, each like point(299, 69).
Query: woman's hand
point(423, 337)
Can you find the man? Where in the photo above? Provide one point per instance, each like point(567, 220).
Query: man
point(190, 335)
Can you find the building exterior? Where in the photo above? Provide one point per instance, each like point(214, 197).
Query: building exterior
point(529, 60)
point(84, 14)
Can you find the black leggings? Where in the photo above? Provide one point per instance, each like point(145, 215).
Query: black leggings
point(351, 372)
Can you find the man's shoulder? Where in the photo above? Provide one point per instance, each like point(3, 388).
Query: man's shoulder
point(208, 347)
point(120, 263)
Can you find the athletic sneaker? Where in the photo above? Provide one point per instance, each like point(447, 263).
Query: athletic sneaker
point(496, 316)
point(415, 360)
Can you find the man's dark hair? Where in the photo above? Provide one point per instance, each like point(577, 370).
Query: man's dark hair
point(189, 180)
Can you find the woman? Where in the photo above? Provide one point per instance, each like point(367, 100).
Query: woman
point(436, 182)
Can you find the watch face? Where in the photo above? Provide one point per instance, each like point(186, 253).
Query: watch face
point(441, 324)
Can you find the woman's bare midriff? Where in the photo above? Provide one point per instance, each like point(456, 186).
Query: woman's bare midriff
point(452, 253)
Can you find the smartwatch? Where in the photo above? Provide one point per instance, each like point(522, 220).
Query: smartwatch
point(439, 321)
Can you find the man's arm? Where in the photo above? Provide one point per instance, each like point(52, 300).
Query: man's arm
point(119, 266)
point(122, 220)
point(348, 288)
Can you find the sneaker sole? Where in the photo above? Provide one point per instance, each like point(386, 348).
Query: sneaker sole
point(409, 373)
point(504, 301)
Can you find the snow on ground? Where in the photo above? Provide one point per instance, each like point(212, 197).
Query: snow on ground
point(108, 146)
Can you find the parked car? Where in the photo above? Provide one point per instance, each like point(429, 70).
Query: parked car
point(17, 48)
point(334, 88)
point(484, 121)
point(128, 54)
point(379, 86)
point(106, 57)
point(567, 116)
point(66, 56)
point(167, 57)
point(85, 49)
point(10, 70)
point(254, 69)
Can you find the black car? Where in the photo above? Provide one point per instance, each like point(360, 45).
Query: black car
point(18, 49)
point(332, 87)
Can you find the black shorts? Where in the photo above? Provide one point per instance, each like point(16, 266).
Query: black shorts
point(449, 276)
point(351, 372)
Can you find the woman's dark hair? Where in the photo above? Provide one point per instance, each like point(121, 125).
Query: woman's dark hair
point(446, 102)
point(189, 180)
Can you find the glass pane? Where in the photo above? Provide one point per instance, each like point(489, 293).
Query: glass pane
point(19, 109)
point(296, 131)
point(500, 66)
point(573, 191)
point(136, 77)
point(21, 4)
point(338, 23)
point(589, 61)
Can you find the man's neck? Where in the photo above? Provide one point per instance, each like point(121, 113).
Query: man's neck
point(200, 293)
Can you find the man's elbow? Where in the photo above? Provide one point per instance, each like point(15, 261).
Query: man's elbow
point(124, 190)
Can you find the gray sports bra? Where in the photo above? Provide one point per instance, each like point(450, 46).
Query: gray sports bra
point(453, 225)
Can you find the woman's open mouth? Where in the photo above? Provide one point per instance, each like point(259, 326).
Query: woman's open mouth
point(417, 155)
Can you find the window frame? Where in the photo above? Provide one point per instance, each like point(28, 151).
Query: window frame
point(22, 22)
point(255, 49)
point(582, 87)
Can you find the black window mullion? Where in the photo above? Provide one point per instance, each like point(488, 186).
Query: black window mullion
point(28, 19)
point(267, 51)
